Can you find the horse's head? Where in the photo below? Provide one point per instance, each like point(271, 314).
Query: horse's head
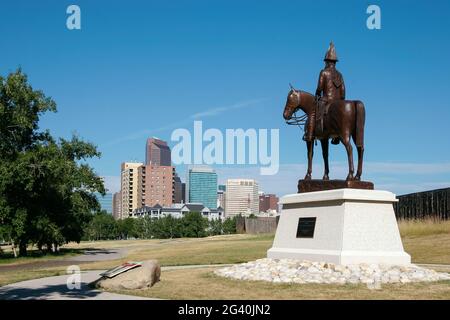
point(292, 103)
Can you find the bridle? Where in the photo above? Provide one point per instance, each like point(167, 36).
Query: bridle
point(297, 120)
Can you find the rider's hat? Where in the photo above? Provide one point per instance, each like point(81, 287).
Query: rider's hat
point(331, 53)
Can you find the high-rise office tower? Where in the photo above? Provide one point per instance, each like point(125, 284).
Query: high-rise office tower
point(242, 197)
point(201, 186)
point(158, 185)
point(117, 205)
point(159, 174)
point(157, 153)
point(106, 201)
point(183, 192)
point(268, 202)
point(132, 187)
point(177, 188)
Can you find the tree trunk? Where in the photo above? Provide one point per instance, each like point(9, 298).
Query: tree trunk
point(13, 247)
point(22, 248)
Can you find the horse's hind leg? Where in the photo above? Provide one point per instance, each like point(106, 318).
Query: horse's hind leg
point(360, 160)
point(324, 144)
point(360, 163)
point(348, 147)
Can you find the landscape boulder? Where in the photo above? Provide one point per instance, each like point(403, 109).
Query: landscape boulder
point(141, 277)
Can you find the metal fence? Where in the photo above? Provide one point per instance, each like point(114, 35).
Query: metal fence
point(433, 204)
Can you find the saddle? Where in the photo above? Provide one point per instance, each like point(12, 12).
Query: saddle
point(322, 107)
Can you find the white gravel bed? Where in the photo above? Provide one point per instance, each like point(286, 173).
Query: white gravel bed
point(295, 271)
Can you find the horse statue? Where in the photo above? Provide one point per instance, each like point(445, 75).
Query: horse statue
point(343, 120)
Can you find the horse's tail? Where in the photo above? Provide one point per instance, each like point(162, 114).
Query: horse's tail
point(360, 121)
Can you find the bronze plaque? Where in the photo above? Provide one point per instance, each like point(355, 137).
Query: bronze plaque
point(306, 227)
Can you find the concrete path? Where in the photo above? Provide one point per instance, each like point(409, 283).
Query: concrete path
point(55, 288)
point(93, 255)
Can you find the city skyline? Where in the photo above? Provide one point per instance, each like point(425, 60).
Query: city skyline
point(154, 188)
point(130, 75)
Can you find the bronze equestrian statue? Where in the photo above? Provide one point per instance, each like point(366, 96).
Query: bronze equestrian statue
point(330, 116)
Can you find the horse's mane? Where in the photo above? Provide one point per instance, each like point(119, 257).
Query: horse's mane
point(301, 91)
point(309, 94)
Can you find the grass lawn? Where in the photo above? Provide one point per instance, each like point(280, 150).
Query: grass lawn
point(34, 255)
point(23, 275)
point(203, 284)
point(211, 250)
point(427, 242)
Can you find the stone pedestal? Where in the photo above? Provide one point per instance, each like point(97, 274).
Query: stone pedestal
point(342, 226)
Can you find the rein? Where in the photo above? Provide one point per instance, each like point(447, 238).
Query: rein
point(297, 120)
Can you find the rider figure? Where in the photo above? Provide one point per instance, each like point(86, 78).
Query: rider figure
point(330, 88)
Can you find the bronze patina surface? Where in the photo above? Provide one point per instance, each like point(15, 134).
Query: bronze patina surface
point(329, 116)
point(321, 185)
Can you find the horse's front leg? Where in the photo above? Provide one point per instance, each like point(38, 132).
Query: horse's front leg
point(324, 143)
point(310, 146)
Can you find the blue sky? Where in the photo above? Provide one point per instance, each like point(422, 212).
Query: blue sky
point(143, 68)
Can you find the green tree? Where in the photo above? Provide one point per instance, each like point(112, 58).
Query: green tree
point(167, 227)
point(20, 110)
point(229, 225)
point(215, 227)
point(102, 227)
point(46, 191)
point(126, 228)
point(144, 227)
point(194, 225)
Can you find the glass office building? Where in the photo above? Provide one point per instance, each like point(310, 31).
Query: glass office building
point(201, 186)
point(106, 201)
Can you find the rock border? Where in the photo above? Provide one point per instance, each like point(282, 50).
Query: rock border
point(303, 272)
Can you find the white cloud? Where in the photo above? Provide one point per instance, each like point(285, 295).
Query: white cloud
point(219, 110)
point(207, 113)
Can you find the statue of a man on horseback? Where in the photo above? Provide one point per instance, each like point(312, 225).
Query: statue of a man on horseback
point(330, 87)
point(330, 116)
